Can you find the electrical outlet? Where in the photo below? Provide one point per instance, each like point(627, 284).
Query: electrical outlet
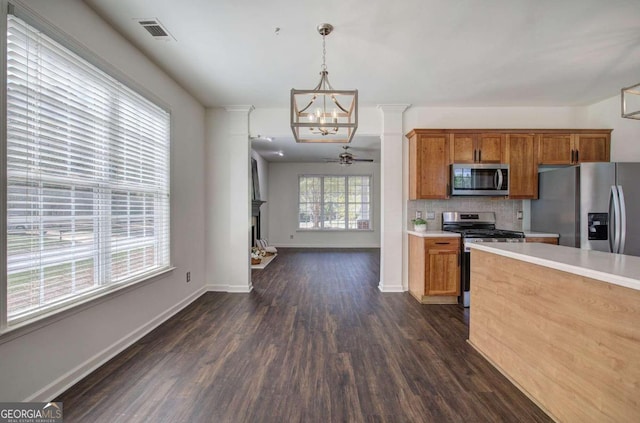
point(418, 214)
point(188, 276)
point(290, 236)
point(519, 214)
point(431, 215)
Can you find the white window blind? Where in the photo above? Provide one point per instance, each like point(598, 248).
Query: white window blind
point(87, 178)
point(334, 202)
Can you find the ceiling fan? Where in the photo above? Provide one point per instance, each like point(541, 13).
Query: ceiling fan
point(346, 158)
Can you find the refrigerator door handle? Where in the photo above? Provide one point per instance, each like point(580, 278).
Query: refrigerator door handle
point(614, 224)
point(623, 220)
point(611, 219)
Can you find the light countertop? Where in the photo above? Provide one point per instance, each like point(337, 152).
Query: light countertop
point(540, 235)
point(617, 269)
point(434, 234)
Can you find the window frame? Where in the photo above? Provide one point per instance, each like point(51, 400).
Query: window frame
point(32, 321)
point(346, 203)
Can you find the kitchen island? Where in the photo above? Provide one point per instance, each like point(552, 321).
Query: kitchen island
point(563, 324)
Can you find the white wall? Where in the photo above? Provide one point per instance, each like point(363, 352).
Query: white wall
point(42, 363)
point(263, 177)
point(275, 122)
point(495, 117)
point(625, 138)
point(283, 206)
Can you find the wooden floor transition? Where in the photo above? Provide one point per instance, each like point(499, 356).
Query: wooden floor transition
point(315, 341)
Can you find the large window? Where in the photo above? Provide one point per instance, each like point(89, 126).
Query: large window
point(334, 202)
point(87, 178)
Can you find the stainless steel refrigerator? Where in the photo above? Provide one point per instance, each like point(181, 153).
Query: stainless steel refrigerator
point(594, 206)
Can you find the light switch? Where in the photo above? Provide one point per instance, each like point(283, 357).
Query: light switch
point(431, 215)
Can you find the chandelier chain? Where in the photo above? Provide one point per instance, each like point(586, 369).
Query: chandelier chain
point(324, 54)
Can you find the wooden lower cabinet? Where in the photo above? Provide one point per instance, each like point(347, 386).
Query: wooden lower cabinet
point(434, 269)
point(543, 239)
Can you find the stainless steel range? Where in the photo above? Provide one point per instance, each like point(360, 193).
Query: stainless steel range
point(475, 227)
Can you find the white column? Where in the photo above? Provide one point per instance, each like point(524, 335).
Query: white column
point(391, 198)
point(228, 199)
point(239, 199)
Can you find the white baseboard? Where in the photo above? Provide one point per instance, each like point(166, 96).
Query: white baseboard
point(58, 386)
point(228, 288)
point(386, 287)
point(327, 246)
point(216, 288)
point(239, 288)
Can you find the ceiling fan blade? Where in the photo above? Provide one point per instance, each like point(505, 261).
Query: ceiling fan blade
point(331, 160)
point(362, 160)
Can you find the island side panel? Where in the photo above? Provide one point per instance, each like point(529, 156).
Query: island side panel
point(416, 267)
point(571, 343)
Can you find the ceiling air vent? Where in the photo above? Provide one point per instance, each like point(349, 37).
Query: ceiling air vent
point(155, 28)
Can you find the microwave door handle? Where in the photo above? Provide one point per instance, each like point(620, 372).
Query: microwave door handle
point(623, 221)
point(498, 179)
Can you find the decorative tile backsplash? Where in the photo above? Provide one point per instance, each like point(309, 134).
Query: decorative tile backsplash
point(506, 210)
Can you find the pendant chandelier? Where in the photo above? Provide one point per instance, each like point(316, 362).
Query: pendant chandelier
point(631, 102)
point(323, 114)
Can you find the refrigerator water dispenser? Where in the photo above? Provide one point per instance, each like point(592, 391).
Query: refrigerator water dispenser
point(598, 229)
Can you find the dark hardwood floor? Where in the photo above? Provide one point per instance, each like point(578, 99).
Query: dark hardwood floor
point(315, 341)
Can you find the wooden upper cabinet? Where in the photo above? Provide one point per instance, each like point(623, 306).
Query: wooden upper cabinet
point(523, 166)
point(428, 165)
point(463, 147)
point(431, 151)
point(592, 147)
point(477, 148)
point(575, 147)
point(555, 149)
point(491, 148)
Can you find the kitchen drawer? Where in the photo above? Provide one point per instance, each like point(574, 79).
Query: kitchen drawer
point(442, 243)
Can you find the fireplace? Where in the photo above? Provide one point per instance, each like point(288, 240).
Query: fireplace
point(256, 202)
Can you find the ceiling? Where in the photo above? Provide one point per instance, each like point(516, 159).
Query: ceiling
point(419, 52)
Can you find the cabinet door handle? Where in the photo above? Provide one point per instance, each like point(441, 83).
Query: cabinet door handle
point(479, 155)
point(577, 156)
point(443, 243)
point(474, 154)
point(572, 156)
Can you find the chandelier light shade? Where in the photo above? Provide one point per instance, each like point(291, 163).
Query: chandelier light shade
point(631, 102)
point(322, 114)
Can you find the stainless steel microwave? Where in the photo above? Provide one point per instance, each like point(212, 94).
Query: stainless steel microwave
point(480, 179)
